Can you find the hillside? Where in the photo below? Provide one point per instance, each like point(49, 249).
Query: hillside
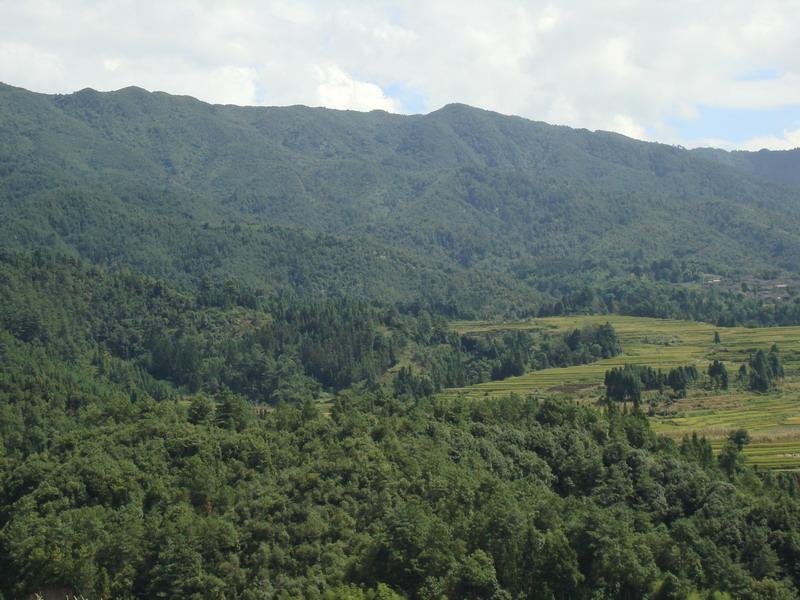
point(780, 166)
point(466, 209)
point(772, 419)
point(132, 465)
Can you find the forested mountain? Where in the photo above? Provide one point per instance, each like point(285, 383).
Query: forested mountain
point(782, 166)
point(465, 209)
point(221, 330)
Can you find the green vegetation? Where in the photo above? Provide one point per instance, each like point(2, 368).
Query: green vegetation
point(227, 371)
point(780, 166)
point(109, 495)
point(658, 343)
point(762, 370)
point(138, 459)
point(628, 382)
point(266, 349)
point(718, 374)
point(465, 212)
point(710, 410)
point(449, 360)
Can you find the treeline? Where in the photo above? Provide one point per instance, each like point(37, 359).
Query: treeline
point(759, 373)
point(718, 375)
point(629, 381)
point(761, 370)
point(457, 361)
point(642, 297)
point(294, 350)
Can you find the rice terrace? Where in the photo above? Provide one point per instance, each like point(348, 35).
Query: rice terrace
point(772, 419)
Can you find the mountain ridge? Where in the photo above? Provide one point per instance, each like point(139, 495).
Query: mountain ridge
point(140, 178)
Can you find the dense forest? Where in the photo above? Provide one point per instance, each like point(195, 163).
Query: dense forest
point(267, 348)
point(136, 462)
point(446, 359)
point(223, 331)
point(114, 494)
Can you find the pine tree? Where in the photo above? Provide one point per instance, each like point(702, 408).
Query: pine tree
point(718, 375)
point(776, 368)
point(760, 372)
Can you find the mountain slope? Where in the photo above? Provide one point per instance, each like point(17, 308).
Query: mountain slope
point(780, 166)
point(455, 204)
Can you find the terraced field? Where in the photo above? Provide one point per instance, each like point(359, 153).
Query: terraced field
point(773, 420)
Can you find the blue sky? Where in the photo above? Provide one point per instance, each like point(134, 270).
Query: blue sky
point(736, 126)
point(719, 73)
point(411, 101)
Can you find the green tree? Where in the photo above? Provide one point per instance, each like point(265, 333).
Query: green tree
point(774, 360)
point(718, 375)
point(201, 409)
point(233, 411)
point(475, 578)
point(730, 457)
point(760, 372)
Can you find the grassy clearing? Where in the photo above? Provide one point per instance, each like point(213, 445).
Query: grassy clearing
point(773, 420)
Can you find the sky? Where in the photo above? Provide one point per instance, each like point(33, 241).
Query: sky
point(722, 73)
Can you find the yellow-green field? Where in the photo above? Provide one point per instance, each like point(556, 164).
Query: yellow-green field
point(773, 420)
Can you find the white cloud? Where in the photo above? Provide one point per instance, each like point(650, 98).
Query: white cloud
point(625, 125)
point(789, 141)
point(621, 65)
point(33, 67)
point(336, 89)
point(112, 64)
